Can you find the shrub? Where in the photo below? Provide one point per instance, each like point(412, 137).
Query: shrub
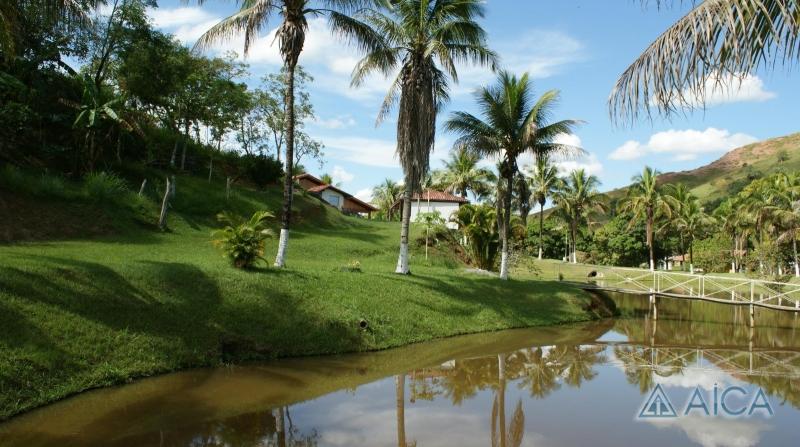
point(351, 267)
point(262, 170)
point(242, 241)
point(104, 186)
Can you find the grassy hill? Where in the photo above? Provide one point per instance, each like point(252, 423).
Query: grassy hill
point(734, 170)
point(97, 296)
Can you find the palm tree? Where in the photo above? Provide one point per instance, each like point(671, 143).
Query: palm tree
point(478, 225)
point(56, 12)
point(513, 125)
point(644, 200)
point(691, 221)
point(424, 40)
point(386, 195)
point(578, 198)
point(543, 183)
point(733, 221)
point(252, 17)
point(462, 174)
point(521, 196)
point(715, 43)
point(328, 180)
point(787, 214)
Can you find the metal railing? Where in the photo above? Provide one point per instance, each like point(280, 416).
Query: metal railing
point(729, 289)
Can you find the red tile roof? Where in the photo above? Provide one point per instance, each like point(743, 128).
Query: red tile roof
point(438, 196)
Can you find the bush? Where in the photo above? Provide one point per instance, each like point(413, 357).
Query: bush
point(44, 185)
point(104, 186)
point(262, 170)
point(243, 241)
point(351, 267)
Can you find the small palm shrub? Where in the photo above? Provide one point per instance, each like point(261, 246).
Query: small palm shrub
point(478, 226)
point(242, 241)
point(104, 186)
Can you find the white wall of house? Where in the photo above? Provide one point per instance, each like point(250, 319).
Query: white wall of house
point(334, 198)
point(446, 209)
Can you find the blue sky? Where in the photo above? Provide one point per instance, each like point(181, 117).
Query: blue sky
point(577, 46)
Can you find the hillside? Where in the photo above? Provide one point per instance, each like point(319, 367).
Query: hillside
point(729, 174)
point(97, 296)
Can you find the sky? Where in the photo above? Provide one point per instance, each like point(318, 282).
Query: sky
point(579, 47)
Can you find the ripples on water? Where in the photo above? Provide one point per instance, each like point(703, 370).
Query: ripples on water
point(574, 385)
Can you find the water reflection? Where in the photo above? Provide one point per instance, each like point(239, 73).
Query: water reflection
point(574, 385)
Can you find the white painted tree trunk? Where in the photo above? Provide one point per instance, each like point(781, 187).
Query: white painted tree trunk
point(504, 264)
point(141, 189)
point(402, 259)
point(280, 259)
point(540, 253)
point(652, 265)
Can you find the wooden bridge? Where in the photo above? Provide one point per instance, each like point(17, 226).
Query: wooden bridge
point(731, 290)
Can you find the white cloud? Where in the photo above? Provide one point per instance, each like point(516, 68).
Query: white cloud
point(730, 89)
point(174, 17)
point(339, 175)
point(590, 163)
point(683, 144)
point(364, 195)
point(630, 150)
point(540, 53)
point(337, 122)
point(365, 151)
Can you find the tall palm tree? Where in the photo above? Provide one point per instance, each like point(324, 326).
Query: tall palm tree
point(462, 174)
point(717, 42)
point(691, 221)
point(423, 40)
point(676, 196)
point(543, 183)
point(645, 200)
point(386, 195)
point(733, 221)
point(787, 214)
point(578, 198)
point(255, 15)
point(513, 124)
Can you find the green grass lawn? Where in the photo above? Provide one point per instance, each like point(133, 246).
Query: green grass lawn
point(83, 313)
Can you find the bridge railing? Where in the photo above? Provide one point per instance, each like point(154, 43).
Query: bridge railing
point(718, 288)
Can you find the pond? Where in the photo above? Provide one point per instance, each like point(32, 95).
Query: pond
point(586, 384)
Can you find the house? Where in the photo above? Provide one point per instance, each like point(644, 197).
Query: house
point(341, 200)
point(432, 201)
point(676, 262)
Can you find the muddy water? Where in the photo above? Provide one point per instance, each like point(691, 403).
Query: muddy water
point(587, 384)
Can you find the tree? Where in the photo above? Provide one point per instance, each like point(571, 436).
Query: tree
point(578, 198)
point(386, 195)
point(716, 45)
point(512, 125)
point(543, 183)
point(787, 213)
point(691, 221)
point(424, 39)
point(461, 174)
point(645, 201)
point(97, 108)
point(736, 225)
point(291, 35)
point(57, 13)
point(521, 196)
point(478, 225)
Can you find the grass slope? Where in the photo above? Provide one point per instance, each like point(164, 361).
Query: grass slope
point(85, 313)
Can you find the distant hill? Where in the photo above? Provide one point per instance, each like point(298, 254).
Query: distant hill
point(734, 170)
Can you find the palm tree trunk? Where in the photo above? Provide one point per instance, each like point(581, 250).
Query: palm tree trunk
point(501, 397)
point(506, 227)
point(794, 249)
point(650, 242)
point(399, 390)
point(402, 259)
point(691, 255)
point(288, 181)
point(541, 229)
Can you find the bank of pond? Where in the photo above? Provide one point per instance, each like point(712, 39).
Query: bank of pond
point(560, 385)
